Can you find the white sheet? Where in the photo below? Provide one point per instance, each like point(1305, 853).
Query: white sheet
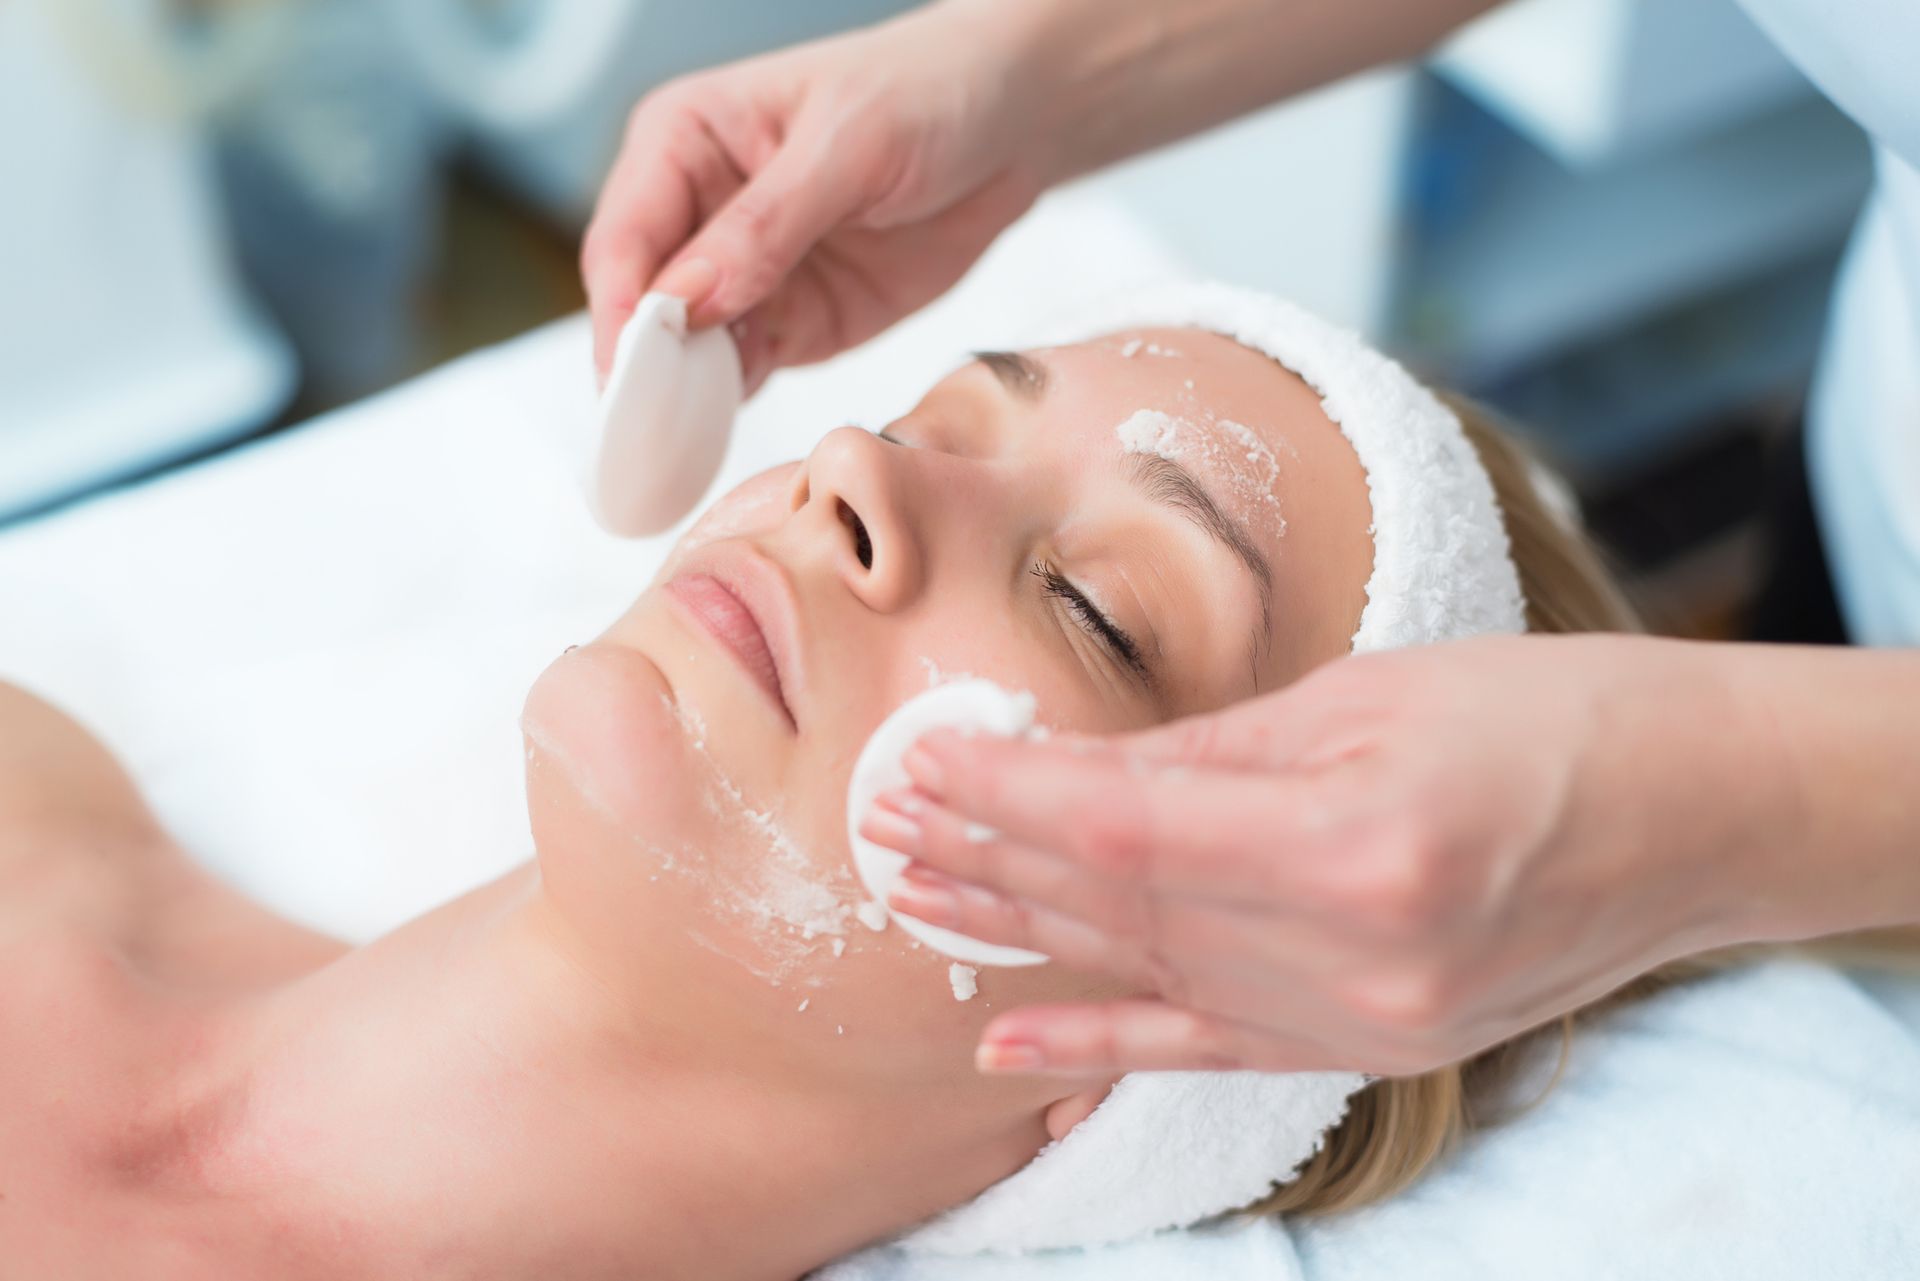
point(312, 654)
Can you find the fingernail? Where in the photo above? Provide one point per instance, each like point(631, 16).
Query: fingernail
point(892, 829)
point(932, 904)
point(690, 281)
point(923, 769)
point(907, 800)
point(1008, 1056)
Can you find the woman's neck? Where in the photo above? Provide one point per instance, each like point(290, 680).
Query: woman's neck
point(463, 1097)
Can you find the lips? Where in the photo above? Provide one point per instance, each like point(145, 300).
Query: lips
point(726, 609)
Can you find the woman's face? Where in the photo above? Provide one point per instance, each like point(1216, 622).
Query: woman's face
point(1133, 529)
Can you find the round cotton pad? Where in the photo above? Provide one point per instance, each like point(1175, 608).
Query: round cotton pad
point(979, 706)
point(664, 419)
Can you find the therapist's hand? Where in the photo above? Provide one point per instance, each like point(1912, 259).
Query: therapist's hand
point(1396, 862)
point(813, 196)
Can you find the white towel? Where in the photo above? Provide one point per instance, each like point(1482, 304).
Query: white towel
point(1761, 1125)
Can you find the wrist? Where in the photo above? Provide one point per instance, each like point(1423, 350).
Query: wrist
point(1788, 778)
point(1733, 773)
point(1697, 795)
point(1061, 61)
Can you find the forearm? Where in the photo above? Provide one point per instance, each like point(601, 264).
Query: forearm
point(1124, 76)
point(1833, 737)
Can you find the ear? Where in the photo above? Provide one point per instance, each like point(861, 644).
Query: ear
point(1064, 1114)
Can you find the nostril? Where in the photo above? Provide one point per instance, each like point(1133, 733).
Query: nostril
point(862, 544)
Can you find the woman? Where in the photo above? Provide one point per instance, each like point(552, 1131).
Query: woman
point(812, 196)
point(667, 1046)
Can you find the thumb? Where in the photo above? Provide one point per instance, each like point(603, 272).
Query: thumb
point(761, 234)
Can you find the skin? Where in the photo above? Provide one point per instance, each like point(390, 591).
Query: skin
point(1450, 841)
point(1498, 869)
point(812, 196)
point(599, 1064)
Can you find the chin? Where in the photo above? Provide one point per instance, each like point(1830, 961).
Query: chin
point(604, 744)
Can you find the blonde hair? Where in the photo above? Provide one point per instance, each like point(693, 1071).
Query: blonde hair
point(1398, 1127)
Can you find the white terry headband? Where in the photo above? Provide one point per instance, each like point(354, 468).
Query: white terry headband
point(1169, 1149)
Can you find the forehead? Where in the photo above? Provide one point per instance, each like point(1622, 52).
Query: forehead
point(1256, 436)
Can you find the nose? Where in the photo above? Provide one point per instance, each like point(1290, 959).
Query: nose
point(852, 493)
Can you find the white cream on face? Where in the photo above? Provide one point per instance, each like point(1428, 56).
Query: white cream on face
point(1149, 431)
point(1134, 346)
point(793, 910)
point(1243, 468)
point(937, 675)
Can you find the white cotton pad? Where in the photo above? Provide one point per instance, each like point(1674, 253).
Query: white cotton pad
point(664, 419)
point(975, 705)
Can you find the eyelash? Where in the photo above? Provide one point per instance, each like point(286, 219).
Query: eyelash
point(1092, 621)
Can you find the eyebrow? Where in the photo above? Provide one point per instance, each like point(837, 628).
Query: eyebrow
point(1022, 376)
point(1166, 482)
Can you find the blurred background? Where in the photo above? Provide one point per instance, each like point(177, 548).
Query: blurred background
point(1615, 220)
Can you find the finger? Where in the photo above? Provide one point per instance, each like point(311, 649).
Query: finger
point(1224, 835)
point(753, 341)
point(1215, 980)
point(991, 917)
point(1249, 958)
point(857, 281)
point(807, 188)
point(974, 854)
point(1268, 732)
point(671, 174)
point(1138, 1036)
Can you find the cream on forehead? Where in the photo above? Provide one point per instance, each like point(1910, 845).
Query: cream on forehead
point(1229, 451)
point(1441, 562)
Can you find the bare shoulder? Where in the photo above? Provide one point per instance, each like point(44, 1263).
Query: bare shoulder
point(61, 789)
point(79, 846)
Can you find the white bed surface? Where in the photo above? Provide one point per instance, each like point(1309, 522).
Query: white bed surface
point(311, 653)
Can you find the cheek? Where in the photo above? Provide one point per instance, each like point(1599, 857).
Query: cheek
point(606, 775)
point(966, 643)
point(599, 735)
point(754, 506)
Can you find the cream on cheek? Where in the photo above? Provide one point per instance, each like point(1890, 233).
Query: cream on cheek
point(790, 904)
point(755, 875)
point(612, 742)
point(706, 849)
point(627, 775)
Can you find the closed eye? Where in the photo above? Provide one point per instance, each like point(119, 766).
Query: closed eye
point(1090, 618)
point(1094, 622)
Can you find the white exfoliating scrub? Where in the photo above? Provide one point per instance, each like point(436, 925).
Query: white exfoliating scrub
point(964, 979)
point(792, 907)
point(665, 416)
point(970, 706)
point(1148, 431)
